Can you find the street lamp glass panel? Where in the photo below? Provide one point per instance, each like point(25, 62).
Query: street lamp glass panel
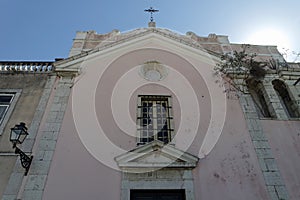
point(18, 133)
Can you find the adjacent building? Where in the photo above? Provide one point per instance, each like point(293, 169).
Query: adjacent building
point(144, 115)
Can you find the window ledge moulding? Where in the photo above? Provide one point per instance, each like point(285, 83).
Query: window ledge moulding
point(237, 74)
point(8, 154)
point(26, 67)
point(291, 74)
point(279, 119)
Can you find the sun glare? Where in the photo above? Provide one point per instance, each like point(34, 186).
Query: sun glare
point(270, 37)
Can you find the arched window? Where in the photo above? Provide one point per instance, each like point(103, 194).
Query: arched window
point(290, 107)
point(258, 94)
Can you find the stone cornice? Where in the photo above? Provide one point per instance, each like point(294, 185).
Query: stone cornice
point(26, 66)
point(285, 73)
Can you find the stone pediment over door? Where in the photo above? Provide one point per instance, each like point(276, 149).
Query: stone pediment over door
point(155, 155)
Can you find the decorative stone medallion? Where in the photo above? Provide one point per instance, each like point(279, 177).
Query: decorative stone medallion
point(153, 71)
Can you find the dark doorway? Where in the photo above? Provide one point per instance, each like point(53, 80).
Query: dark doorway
point(157, 195)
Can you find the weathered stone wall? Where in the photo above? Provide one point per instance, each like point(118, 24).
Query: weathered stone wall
point(284, 139)
point(275, 139)
point(31, 88)
point(271, 173)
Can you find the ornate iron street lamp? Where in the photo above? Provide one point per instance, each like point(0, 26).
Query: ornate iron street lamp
point(17, 136)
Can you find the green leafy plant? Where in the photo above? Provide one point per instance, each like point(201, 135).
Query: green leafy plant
point(239, 67)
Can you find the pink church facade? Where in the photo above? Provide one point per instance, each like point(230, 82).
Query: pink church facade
point(143, 115)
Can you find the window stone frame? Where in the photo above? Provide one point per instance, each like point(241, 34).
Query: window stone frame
point(17, 93)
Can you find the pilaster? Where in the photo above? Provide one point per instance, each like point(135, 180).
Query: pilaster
point(294, 92)
point(270, 171)
point(273, 102)
point(38, 173)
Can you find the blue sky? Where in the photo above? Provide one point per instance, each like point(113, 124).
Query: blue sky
point(43, 30)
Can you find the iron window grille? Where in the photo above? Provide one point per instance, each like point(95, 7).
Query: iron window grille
point(154, 119)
